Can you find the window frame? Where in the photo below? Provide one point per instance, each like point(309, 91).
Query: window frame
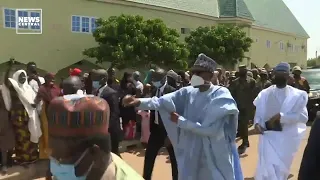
point(90, 24)
point(268, 41)
point(281, 47)
point(29, 15)
point(4, 18)
point(95, 18)
point(185, 30)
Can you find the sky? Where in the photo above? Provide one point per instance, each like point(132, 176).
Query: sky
point(308, 14)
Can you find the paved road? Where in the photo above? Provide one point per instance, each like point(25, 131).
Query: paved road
point(162, 169)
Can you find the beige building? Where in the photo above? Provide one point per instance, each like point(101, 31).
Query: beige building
point(67, 27)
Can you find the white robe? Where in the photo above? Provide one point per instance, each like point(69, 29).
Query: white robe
point(26, 95)
point(277, 148)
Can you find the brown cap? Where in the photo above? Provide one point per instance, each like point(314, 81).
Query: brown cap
point(78, 117)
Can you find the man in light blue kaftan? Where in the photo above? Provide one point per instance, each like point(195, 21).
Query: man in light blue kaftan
point(201, 122)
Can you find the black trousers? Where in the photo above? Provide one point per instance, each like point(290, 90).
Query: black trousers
point(155, 143)
point(243, 123)
point(115, 144)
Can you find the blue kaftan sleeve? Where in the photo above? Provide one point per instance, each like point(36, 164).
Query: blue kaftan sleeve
point(172, 102)
point(227, 112)
point(167, 102)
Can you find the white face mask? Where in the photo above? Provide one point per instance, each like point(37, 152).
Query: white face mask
point(196, 81)
point(156, 84)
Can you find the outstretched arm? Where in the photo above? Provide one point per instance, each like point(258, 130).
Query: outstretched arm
point(156, 103)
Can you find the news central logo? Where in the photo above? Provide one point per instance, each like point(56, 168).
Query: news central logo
point(29, 21)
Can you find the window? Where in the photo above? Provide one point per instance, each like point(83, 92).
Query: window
point(23, 14)
point(281, 46)
point(185, 30)
point(83, 24)
point(76, 23)
point(268, 44)
point(9, 18)
point(35, 14)
point(257, 40)
point(93, 24)
point(290, 47)
point(296, 48)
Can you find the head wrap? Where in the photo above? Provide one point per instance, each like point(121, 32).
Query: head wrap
point(75, 72)
point(205, 62)
point(136, 73)
point(173, 75)
point(282, 67)
point(78, 116)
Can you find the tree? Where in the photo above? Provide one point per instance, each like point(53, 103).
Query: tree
point(224, 43)
point(130, 41)
point(313, 62)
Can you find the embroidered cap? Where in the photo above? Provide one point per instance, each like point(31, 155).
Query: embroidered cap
point(282, 67)
point(78, 117)
point(205, 62)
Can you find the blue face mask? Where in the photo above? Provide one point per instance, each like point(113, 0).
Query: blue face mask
point(67, 171)
point(95, 84)
point(156, 84)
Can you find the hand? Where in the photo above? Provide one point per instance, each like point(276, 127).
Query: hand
point(174, 117)
point(275, 118)
point(130, 101)
point(259, 129)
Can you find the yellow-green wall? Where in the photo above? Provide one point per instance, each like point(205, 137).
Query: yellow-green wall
point(58, 47)
point(261, 55)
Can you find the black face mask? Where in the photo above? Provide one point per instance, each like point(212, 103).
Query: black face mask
point(242, 74)
point(296, 75)
point(280, 81)
point(263, 77)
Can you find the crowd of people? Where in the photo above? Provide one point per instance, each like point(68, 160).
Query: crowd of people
point(196, 115)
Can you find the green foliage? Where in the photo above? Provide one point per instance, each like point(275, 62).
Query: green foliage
point(224, 43)
point(313, 62)
point(130, 41)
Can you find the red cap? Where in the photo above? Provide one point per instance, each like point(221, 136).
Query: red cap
point(75, 72)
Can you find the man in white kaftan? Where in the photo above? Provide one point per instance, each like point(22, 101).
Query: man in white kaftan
point(281, 117)
point(201, 122)
point(33, 78)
